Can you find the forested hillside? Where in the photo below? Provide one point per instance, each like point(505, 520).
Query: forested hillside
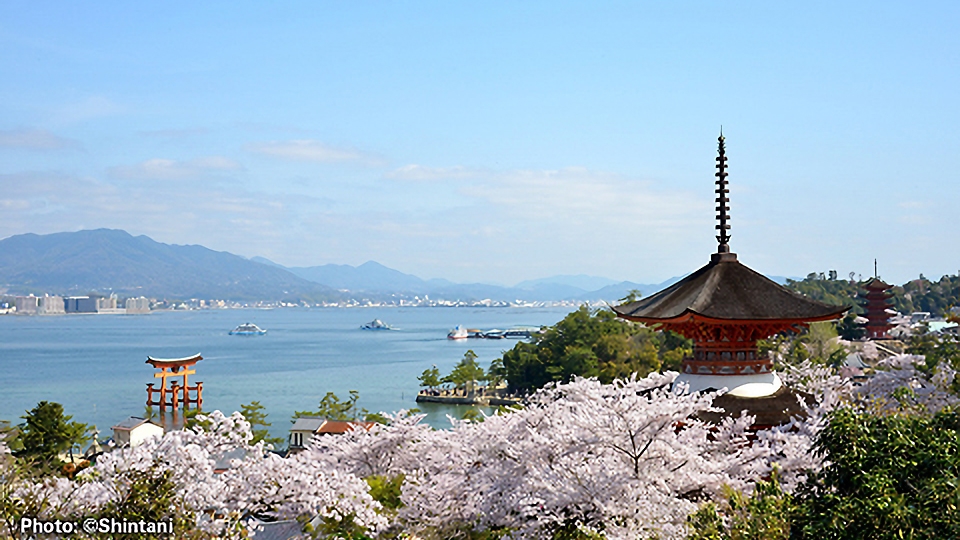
point(917, 295)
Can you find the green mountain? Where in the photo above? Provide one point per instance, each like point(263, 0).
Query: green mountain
point(106, 260)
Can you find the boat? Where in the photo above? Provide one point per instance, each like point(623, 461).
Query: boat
point(376, 324)
point(458, 333)
point(494, 334)
point(248, 329)
point(522, 332)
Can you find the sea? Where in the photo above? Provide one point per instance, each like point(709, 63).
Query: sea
point(95, 364)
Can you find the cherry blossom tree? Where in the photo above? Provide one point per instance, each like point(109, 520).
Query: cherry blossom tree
point(630, 459)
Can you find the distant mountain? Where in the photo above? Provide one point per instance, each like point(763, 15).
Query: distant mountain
point(612, 293)
point(369, 276)
point(580, 281)
point(106, 260)
point(377, 279)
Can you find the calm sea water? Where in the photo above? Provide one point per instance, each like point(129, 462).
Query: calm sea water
point(95, 364)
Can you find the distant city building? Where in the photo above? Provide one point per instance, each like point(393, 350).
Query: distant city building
point(105, 303)
point(27, 305)
point(81, 304)
point(138, 305)
point(50, 305)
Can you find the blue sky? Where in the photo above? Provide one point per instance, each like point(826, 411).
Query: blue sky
point(493, 141)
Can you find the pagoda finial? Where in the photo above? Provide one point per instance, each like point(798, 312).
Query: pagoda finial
point(722, 200)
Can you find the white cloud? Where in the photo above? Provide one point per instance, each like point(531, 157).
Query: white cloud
point(35, 139)
point(175, 133)
point(912, 205)
point(219, 217)
point(89, 108)
point(309, 150)
point(168, 169)
point(420, 173)
point(579, 195)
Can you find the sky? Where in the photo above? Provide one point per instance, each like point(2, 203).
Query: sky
point(492, 141)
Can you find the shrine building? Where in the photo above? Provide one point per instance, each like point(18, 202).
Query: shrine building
point(725, 308)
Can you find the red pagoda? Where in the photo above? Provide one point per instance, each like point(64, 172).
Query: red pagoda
point(877, 304)
point(725, 307)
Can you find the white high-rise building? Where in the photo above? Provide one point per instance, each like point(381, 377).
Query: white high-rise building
point(27, 305)
point(138, 305)
point(51, 305)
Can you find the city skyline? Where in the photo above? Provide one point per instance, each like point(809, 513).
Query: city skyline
point(494, 143)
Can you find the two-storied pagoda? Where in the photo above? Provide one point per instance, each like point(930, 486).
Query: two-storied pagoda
point(725, 308)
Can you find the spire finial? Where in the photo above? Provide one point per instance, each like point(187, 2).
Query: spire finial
point(722, 200)
point(875, 274)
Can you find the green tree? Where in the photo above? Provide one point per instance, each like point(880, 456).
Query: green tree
point(632, 296)
point(191, 421)
point(496, 373)
point(430, 377)
point(764, 515)
point(849, 329)
point(830, 291)
point(585, 343)
point(893, 476)
point(821, 340)
point(253, 413)
point(472, 414)
point(333, 408)
point(937, 349)
point(151, 495)
point(466, 372)
point(46, 433)
point(10, 435)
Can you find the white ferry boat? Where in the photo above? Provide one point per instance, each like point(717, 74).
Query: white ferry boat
point(248, 329)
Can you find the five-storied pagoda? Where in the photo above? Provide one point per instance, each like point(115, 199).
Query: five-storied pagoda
point(877, 302)
point(725, 308)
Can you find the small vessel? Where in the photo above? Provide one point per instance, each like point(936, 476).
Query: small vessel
point(522, 332)
point(248, 329)
point(494, 334)
point(376, 324)
point(458, 333)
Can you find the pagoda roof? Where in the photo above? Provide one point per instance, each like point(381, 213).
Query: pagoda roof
point(724, 289)
point(876, 283)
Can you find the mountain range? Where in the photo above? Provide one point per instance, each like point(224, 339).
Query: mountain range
point(106, 260)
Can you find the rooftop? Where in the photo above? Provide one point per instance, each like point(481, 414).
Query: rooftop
point(727, 290)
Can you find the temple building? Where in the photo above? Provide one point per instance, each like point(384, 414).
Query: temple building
point(725, 307)
point(877, 303)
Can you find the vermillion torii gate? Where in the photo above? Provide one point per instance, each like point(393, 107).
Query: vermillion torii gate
point(177, 393)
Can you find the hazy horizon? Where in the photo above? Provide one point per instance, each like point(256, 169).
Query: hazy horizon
point(493, 142)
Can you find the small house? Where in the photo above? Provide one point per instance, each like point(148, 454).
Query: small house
point(134, 430)
point(306, 428)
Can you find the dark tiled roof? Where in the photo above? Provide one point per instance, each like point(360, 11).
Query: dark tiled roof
point(726, 289)
point(308, 423)
point(279, 530)
point(130, 423)
point(876, 284)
